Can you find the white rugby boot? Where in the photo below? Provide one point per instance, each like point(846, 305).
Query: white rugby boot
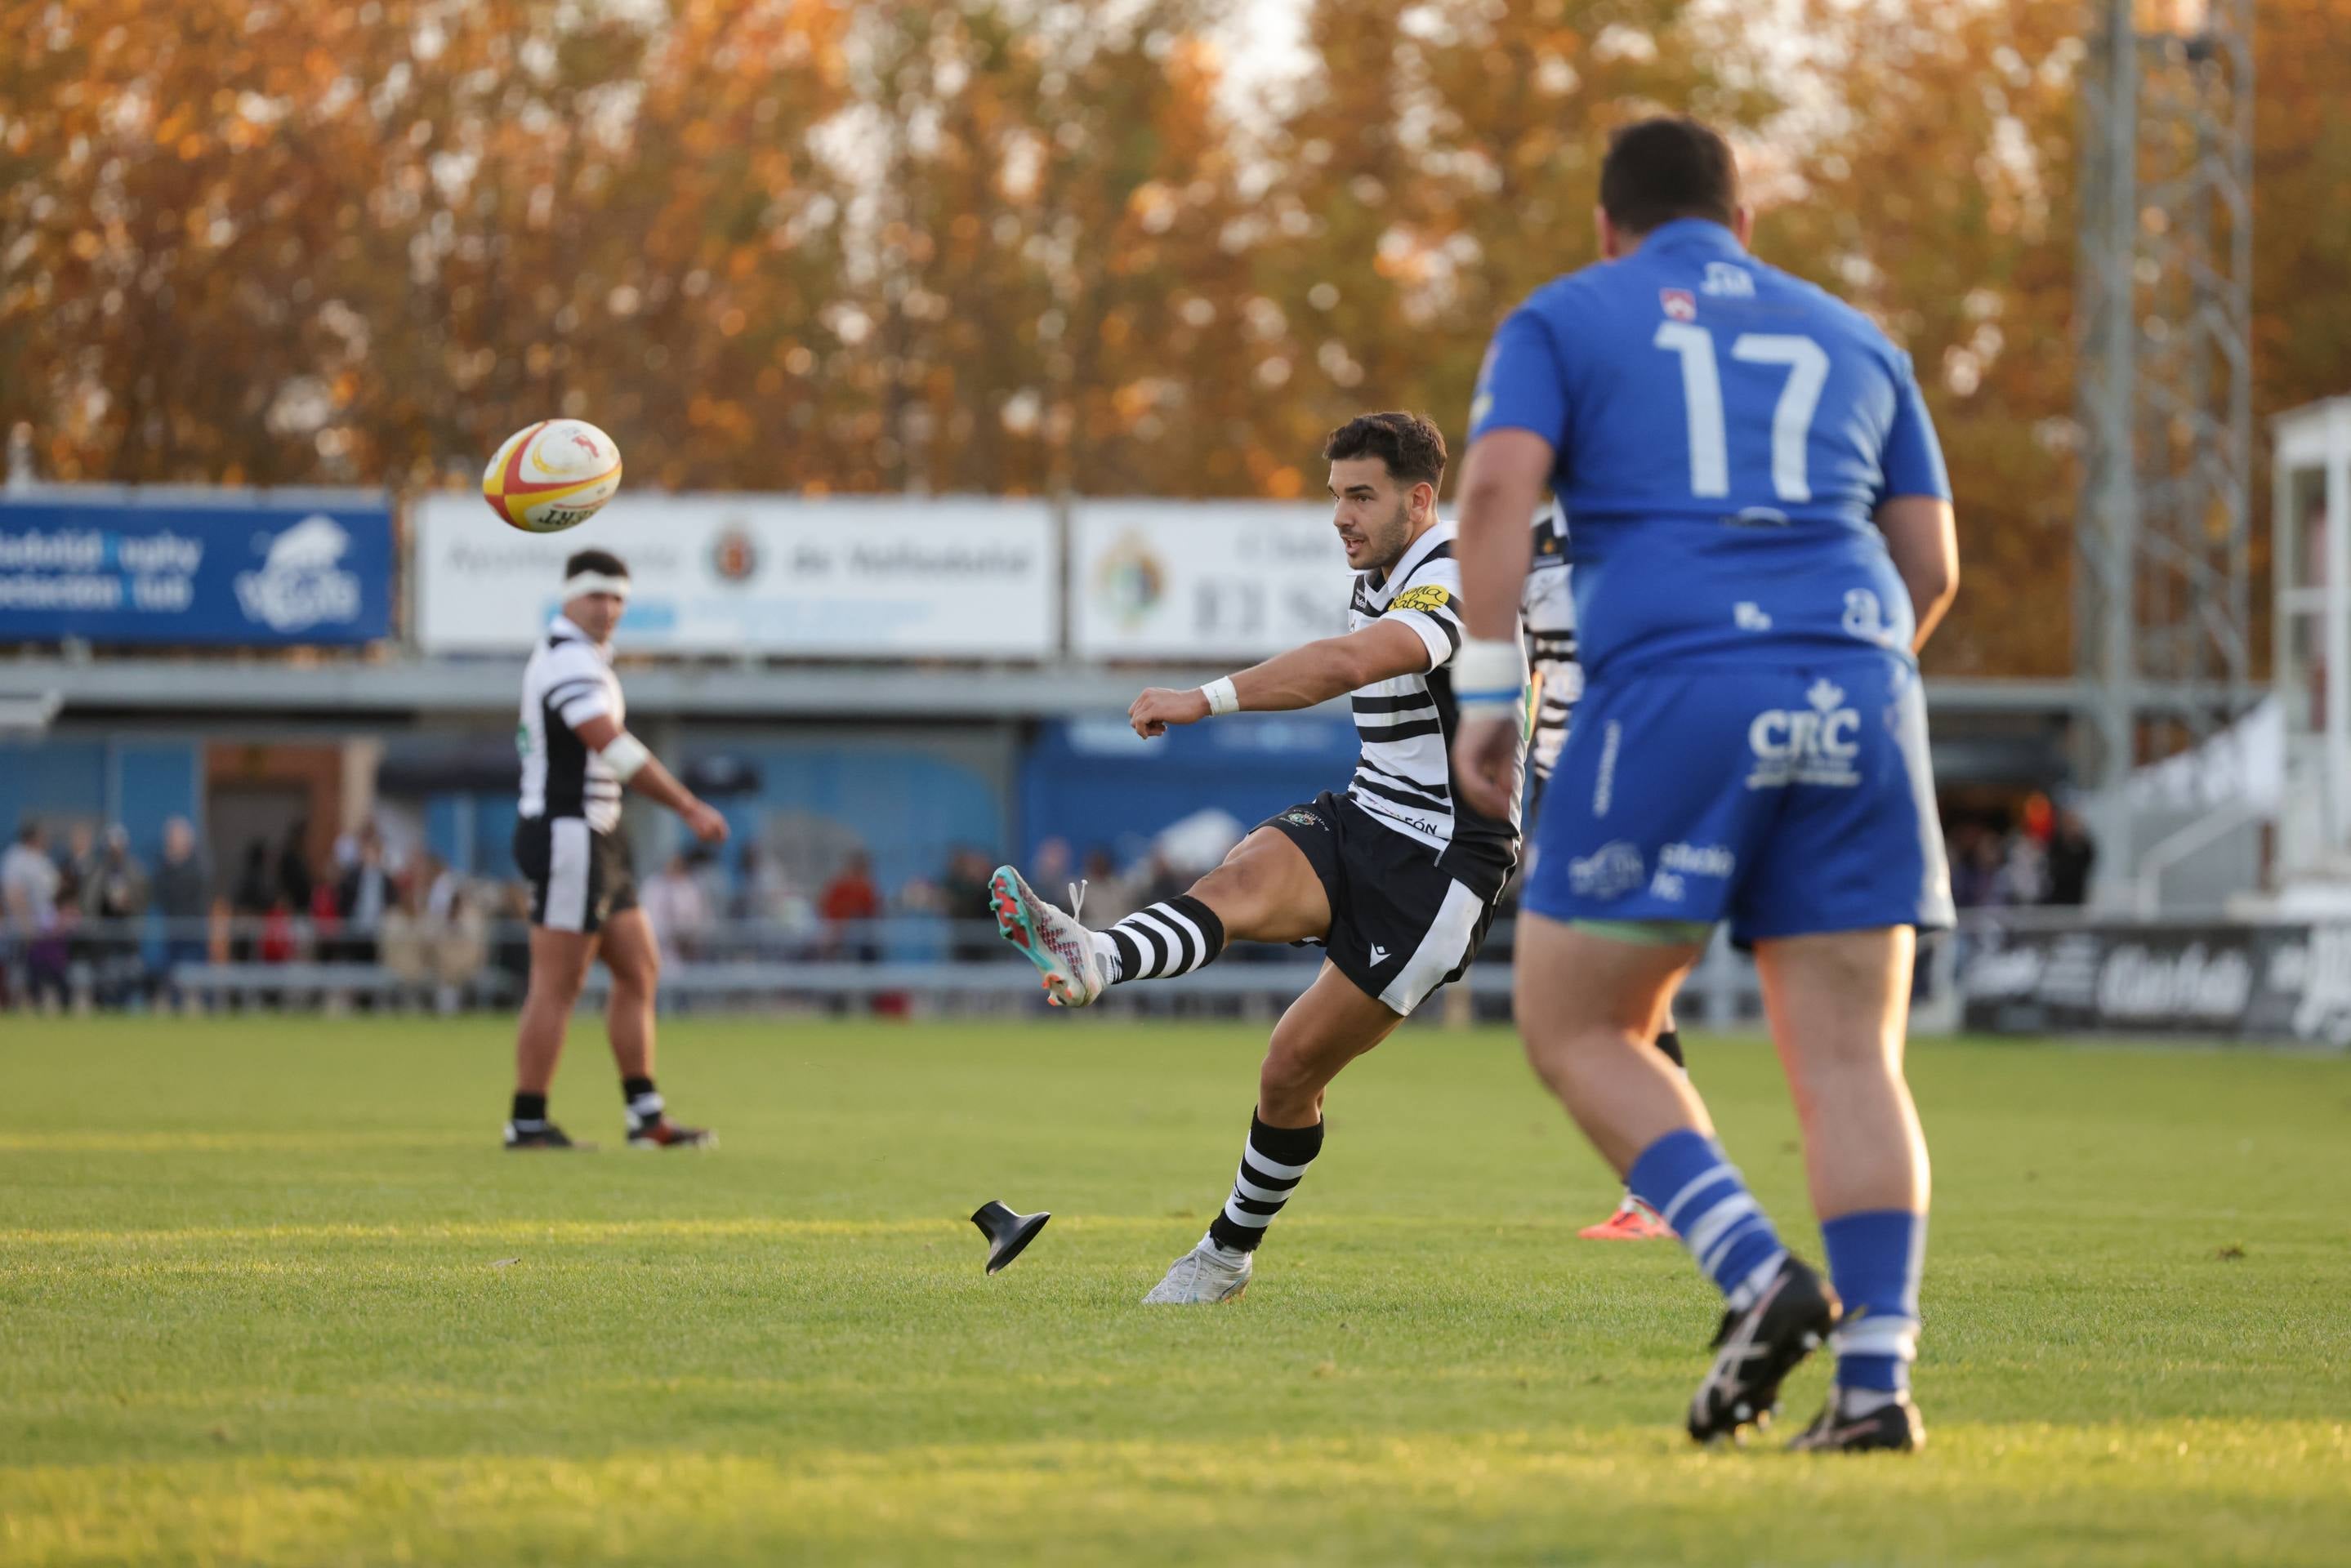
point(1206, 1274)
point(1062, 949)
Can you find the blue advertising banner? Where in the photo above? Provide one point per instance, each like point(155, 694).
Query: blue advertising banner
point(233, 567)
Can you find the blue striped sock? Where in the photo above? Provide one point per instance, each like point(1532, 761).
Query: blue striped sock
point(1685, 1177)
point(1875, 1261)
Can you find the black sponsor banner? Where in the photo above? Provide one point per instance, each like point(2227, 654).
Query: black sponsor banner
point(2266, 983)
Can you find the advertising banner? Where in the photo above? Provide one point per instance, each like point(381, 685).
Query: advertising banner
point(187, 566)
point(1203, 580)
point(2262, 983)
point(856, 577)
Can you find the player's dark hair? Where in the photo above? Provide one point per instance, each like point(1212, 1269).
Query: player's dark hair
point(599, 561)
point(1412, 448)
point(1671, 167)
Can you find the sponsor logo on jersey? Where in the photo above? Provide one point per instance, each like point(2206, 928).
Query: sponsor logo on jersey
point(1679, 303)
point(1813, 745)
point(1301, 816)
point(1728, 280)
point(1865, 617)
point(1428, 596)
point(1610, 872)
point(1748, 615)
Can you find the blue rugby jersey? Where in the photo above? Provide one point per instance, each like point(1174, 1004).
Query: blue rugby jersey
point(1724, 434)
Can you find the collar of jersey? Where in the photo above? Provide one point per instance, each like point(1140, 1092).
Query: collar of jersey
point(1438, 532)
point(564, 626)
point(1694, 233)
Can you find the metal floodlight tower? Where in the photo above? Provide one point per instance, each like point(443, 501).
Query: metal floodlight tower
point(2162, 586)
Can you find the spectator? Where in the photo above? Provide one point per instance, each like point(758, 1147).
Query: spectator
point(278, 944)
point(28, 912)
point(766, 894)
point(252, 900)
point(2024, 874)
point(964, 897)
point(1975, 867)
point(1109, 898)
point(402, 941)
point(294, 866)
point(183, 892)
point(443, 884)
point(365, 897)
point(460, 952)
point(678, 911)
point(2072, 855)
point(851, 900)
point(114, 895)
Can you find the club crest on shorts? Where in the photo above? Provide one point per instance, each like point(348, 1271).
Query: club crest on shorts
point(1610, 872)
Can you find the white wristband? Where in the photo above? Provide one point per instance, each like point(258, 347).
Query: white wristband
point(1222, 697)
point(625, 754)
point(1490, 678)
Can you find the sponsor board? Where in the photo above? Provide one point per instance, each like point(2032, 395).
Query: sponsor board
point(2264, 982)
point(222, 567)
point(1236, 580)
point(783, 577)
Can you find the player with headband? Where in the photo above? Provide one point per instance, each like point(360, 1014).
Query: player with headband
point(577, 758)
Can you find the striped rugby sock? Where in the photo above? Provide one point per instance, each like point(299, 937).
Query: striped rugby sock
point(1162, 942)
point(1273, 1162)
point(1684, 1177)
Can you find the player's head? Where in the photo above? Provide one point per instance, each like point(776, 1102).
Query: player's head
point(1385, 474)
point(595, 591)
point(1660, 170)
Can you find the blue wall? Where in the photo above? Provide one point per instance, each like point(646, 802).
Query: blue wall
point(1097, 783)
point(137, 781)
point(909, 804)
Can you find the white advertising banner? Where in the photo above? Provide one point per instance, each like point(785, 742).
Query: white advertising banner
point(842, 577)
point(1208, 580)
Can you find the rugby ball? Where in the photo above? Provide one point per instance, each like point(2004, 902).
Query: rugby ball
point(553, 475)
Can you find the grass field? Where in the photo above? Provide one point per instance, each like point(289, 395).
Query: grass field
point(270, 1293)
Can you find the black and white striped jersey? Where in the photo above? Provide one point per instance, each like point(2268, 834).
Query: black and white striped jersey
point(1404, 776)
point(1548, 608)
point(569, 681)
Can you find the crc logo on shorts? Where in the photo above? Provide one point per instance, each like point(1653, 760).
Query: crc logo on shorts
point(1813, 745)
point(1610, 872)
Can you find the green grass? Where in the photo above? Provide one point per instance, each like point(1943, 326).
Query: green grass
point(270, 1294)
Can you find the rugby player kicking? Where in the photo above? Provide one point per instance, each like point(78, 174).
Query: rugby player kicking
point(577, 758)
point(1394, 880)
point(1762, 538)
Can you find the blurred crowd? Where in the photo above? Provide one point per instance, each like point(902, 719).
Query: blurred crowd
point(2044, 855)
point(86, 922)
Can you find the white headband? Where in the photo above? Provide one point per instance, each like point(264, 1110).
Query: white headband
point(594, 583)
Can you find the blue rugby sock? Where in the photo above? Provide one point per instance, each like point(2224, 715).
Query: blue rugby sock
point(1685, 1177)
point(1875, 1261)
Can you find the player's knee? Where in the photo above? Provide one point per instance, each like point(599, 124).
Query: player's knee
point(1289, 1082)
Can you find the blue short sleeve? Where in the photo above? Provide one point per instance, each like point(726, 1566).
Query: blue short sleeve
point(1912, 462)
point(1523, 385)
